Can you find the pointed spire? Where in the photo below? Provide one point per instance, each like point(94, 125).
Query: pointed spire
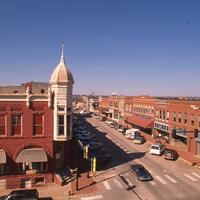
point(62, 54)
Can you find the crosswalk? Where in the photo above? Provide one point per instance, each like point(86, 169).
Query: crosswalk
point(122, 182)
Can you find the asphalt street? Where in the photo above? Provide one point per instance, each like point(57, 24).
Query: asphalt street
point(172, 180)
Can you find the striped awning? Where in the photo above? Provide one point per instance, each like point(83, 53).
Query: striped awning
point(2, 156)
point(32, 155)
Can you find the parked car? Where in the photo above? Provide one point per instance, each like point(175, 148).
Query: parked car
point(157, 149)
point(139, 140)
point(31, 194)
point(122, 130)
point(170, 154)
point(141, 173)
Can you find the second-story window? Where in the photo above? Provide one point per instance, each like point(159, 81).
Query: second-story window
point(164, 115)
point(167, 115)
point(16, 121)
point(37, 124)
point(185, 118)
point(179, 118)
point(61, 125)
point(174, 116)
point(199, 121)
point(2, 125)
point(160, 114)
point(192, 120)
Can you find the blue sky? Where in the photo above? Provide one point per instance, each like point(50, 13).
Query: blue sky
point(133, 47)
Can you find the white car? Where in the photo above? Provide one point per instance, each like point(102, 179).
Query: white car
point(157, 149)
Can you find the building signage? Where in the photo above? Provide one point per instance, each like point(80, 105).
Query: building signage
point(161, 126)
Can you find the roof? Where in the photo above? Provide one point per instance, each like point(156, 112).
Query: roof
point(61, 74)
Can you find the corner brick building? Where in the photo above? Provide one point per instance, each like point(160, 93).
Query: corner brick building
point(36, 129)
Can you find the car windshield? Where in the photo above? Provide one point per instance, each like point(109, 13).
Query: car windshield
point(155, 147)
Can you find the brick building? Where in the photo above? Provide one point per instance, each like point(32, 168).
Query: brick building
point(173, 121)
point(35, 129)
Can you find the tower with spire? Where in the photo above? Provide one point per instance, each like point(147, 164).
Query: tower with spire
point(61, 85)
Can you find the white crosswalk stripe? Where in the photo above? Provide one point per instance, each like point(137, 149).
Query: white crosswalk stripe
point(197, 175)
point(118, 183)
point(107, 185)
point(161, 180)
point(190, 177)
point(170, 178)
point(92, 198)
point(129, 182)
point(152, 182)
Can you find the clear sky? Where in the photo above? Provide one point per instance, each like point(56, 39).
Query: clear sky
point(133, 47)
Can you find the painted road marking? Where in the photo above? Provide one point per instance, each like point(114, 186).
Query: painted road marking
point(197, 175)
point(190, 177)
point(107, 185)
point(160, 179)
point(170, 178)
point(129, 182)
point(92, 198)
point(118, 183)
point(152, 182)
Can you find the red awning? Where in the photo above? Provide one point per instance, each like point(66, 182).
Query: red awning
point(142, 122)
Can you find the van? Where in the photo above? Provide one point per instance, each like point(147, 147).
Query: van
point(132, 133)
point(157, 149)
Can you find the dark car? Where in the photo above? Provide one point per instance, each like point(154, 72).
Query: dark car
point(141, 173)
point(139, 140)
point(31, 194)
point(170, 154)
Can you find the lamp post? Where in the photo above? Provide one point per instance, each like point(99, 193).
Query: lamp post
point(77, 157)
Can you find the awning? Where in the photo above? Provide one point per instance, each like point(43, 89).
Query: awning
point(2, 156)
point(32, 155)
point(142, 122)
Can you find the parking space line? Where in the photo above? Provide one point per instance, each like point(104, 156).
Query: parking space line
point(160, 179)
point(118, 183)
point(107, 185)
point(92, 198)
point(197, 175)
point(190, 177)
point(152, 182)
point(170, 178)
point(129, 182)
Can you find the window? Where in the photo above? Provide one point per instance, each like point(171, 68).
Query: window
point(68, 125)
point(60, 108)
point(199, 121)
point(164, 115)
point(61, 125)
point(160, 115)
point(185, 118)
point(179, 118)
point(174, 116)
point(1, 168)
point(16, 124)
point(167, 115)
point(37, 124)
point(192, 119)
point(2, 125)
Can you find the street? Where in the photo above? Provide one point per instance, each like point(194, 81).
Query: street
point(171, 179)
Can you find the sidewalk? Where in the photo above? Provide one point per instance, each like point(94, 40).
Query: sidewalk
point(56, 192)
